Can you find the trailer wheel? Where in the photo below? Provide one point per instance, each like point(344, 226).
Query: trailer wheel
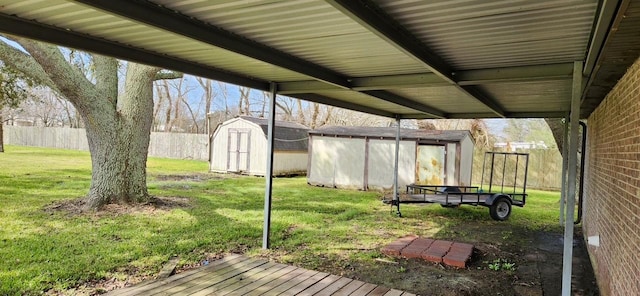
point(500, 210)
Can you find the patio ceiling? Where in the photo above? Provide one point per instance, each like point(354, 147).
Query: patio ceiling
point(405, 58)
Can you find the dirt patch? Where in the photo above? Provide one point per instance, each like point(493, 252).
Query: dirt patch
point(75, 207)
point(190, 177)
point(535, 257)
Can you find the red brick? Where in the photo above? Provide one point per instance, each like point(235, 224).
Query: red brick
point(458, 255)
point(436, 251)
point(462, 248)
point(394, 248)
point(415, 249)
point(455, 261)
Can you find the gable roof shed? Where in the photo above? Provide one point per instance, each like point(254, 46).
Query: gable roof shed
point(240, 145)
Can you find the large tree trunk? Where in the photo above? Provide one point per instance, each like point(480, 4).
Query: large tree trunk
point(119, 143)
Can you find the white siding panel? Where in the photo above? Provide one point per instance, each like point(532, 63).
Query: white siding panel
point(337, 162)
point(450, 171)
point(381, 164)
point(323, 159)
point(349, 170)
point(287, 162)
point(466, 161)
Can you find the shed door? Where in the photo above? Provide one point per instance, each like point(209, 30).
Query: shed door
point(238, 152)
point(430, 165)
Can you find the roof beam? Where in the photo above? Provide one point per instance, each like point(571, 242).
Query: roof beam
point(465, 78)
point(307, 87)
point(169, 20)
point(368, 15)
point(550, 114)
point(515, 74)
point(38, 31)
point(402, 101)
point(606, 13)
point(343, 104)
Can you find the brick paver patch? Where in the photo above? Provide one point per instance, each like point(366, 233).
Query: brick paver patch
point(438, 251)
point(416, 247)
point(394, 248)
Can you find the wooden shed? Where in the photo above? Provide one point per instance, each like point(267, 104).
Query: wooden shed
point(363, 157)
point(239, 145)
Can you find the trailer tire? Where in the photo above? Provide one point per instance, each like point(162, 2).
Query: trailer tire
point(500, 210)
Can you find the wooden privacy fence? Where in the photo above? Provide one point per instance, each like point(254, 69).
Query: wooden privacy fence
point(545, 169)
point(168, 145)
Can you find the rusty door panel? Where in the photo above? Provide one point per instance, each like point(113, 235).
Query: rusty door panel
point(430, 163)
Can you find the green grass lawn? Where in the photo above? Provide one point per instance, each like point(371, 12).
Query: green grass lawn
point(42, 249)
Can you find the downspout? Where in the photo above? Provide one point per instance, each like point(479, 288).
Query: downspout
point(582, 158)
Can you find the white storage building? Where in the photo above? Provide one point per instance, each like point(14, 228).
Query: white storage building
point(239, 145)
point(363, 157)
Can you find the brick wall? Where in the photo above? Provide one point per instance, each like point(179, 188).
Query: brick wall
point(612, 187)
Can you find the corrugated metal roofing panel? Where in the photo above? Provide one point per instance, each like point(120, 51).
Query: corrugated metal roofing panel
point(445, 98)
point(464, 33)
point(545, 96)
point(492, 34)
point(96, 23)
point(366, 100)
point(310, 29)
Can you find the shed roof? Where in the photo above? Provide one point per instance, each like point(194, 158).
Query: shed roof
point(390, 133)
point(288, 136)
point(395, 58)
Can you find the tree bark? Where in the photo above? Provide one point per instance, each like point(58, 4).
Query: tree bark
point(557, 128)
point(119, 142)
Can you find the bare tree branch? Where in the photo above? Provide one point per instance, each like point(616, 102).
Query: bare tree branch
point(161, 75)
point(24, 63)
point(63, 77)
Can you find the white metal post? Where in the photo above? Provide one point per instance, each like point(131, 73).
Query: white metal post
point(268, 175)
point(565, 148)
point(396, 197)
point(567, 257)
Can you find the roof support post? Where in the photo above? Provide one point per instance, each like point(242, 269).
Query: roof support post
point(567, 257)
point(268, 175)
point(565, 148)
point(396, 197)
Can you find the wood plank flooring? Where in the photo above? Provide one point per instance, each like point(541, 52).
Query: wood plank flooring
point(239, 275)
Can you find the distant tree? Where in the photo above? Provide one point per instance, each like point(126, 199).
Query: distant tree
point(477, 127)
point(14, 88)
point(117, 124)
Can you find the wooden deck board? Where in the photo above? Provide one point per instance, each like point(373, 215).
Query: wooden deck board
point(146, 286)
point(275, 283)
point(349, 288)
point(205, 279)
point(335, 286)
point(237, 281)
point(239, 275)
point(315, 288)
point(248, 283)
point(293, 282)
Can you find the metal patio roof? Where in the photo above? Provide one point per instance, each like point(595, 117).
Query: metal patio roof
point(405, 58)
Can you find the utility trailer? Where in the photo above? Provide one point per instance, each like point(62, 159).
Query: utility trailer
point(487, 194)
